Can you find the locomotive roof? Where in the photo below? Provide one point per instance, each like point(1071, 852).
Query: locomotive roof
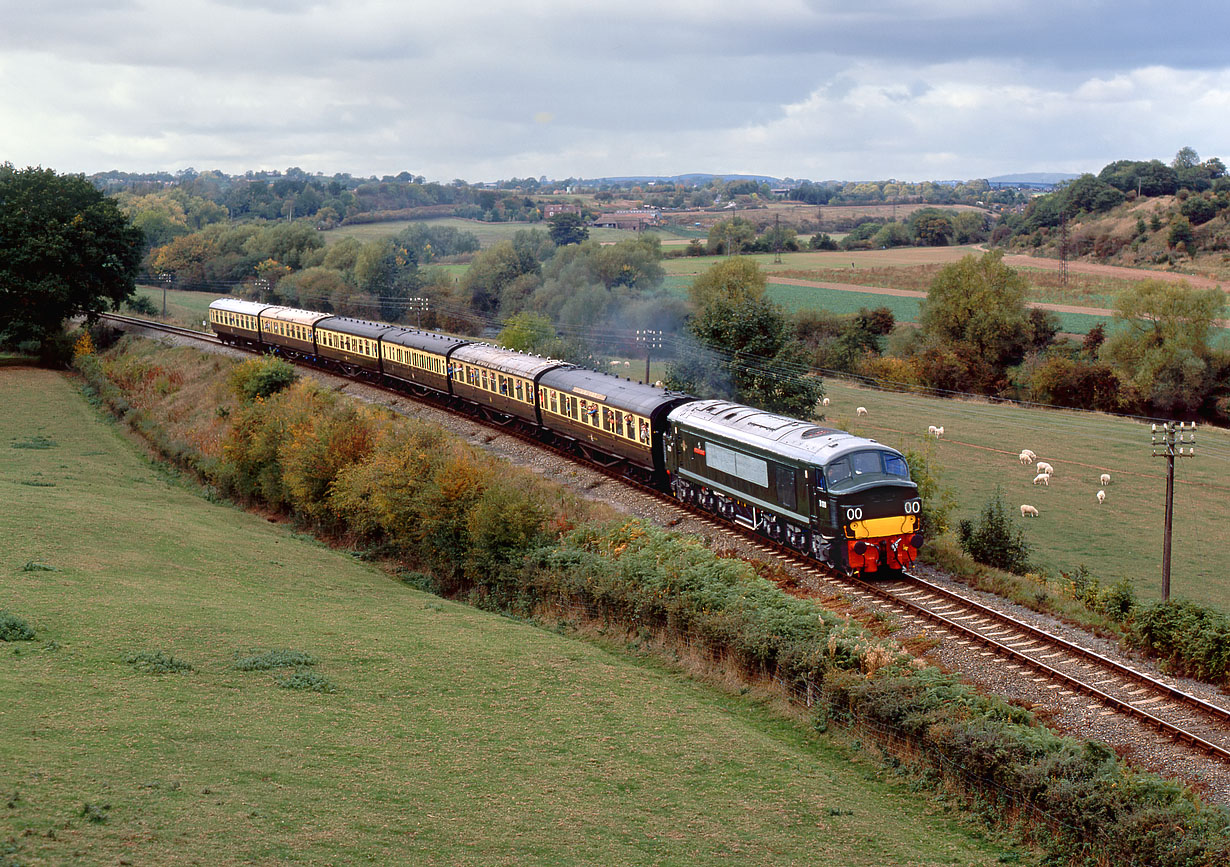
point(294, 314)
point(238, 305)
point(428, 341)
point(611, 390)
point(356, 327)
point(505, 360)
point(801, 440)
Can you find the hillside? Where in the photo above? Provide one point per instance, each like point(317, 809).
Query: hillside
point(453, 735)
point(1138, 233)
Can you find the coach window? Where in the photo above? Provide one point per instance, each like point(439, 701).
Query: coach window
point(644, 432)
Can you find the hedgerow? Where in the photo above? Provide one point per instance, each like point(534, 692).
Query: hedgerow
point(490, 535)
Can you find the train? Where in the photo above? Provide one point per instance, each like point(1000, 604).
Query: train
point(844, 500)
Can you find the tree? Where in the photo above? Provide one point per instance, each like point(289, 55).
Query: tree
point(731, 236)
point(731, 281)
point(975, 308)
point(745, 350)
point(568, 229)
point(527, 332)
point(933, 230)
point(68, 251)
point(1161, 345)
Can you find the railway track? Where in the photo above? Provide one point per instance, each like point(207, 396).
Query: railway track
point(1054, 663)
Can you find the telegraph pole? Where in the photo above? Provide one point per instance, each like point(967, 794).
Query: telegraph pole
point(652, 340)
point(777, 244)
point(1165, 438)
point(420, 304)
point(166, 278)
point(1063, 248)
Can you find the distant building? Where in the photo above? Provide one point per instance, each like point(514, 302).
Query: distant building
point(634, 220)
point(555, 209)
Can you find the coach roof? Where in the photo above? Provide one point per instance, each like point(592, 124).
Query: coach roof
point(613, 391)
point(238, 305)
point(427, 341)
point(505, 360)
point(355, 327)
point(790, 437)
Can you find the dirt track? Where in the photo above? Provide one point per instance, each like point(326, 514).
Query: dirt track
point(1019, 261)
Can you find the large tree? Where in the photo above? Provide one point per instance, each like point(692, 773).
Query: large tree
point(68, 251)
point(1161, 345)
point(975, 309)
point(745, 349)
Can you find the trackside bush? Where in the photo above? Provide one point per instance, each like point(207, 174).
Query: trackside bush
point(1193, 640)
point(993, 540)
point(262, 377)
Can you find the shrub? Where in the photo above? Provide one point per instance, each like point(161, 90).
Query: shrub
point(1192, 639)
point(273, 659)
point(157, 662)
point(13, 628)
point(993, 540)
point(262, 377)
point(306, 680)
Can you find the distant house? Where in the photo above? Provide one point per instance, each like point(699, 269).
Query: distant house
point(634, 220)
point(555, 209)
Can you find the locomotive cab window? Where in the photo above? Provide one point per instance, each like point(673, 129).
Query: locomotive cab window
point(861, 467)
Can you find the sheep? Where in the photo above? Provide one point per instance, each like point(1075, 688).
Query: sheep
point(931, 430)
point(1044, 467)
point(1043, 479)
point(1105, 479)
point(1026, 456)
point(824, 402)
point(862, 410)
point(1029, 511)
point(1101, 497)
point(939, 432)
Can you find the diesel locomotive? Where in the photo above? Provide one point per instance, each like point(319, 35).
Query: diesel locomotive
point(842, 499)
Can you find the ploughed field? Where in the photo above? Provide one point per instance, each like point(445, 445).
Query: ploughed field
point(451, 735)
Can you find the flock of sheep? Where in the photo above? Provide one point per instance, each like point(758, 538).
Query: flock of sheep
point(1027, 456)
point(1045, 471)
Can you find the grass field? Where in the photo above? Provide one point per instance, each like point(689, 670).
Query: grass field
point(1123, 536)
point(188, 309)
point(454, 736)
point(488, 233)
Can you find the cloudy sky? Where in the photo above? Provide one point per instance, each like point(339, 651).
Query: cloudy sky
point(484, 89)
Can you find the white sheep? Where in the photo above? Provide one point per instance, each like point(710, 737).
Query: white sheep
point(862, 410)
point(824, 402)
point(931, 430)
point(1101, 497)
point(1044, 467)
point(1105, 479)
point(1026, 456)
point(1029, 511)
point(939, 432)
point(1043, 479)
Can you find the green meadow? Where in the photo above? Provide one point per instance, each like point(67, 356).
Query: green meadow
point(1121, 537)
point(425, 732)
